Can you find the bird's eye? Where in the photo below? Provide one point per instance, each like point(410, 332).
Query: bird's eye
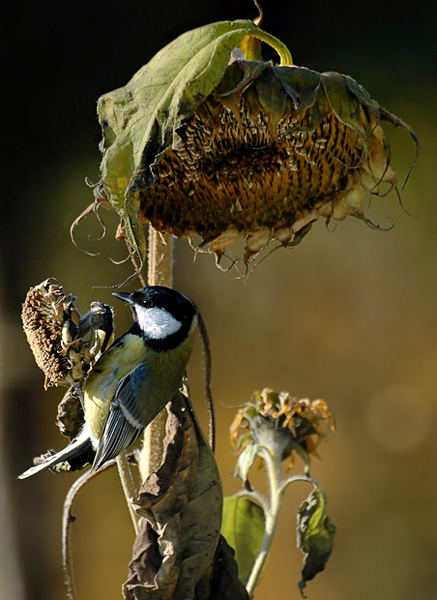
point(147, 303)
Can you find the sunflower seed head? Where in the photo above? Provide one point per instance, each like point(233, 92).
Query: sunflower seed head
point(266, 154)
point(63, 348)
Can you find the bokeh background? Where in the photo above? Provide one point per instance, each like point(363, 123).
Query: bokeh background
point(348, 316)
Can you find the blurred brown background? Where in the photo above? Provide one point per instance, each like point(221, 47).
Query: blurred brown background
point(348, 316)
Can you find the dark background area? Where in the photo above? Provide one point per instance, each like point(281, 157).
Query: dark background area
point(348, 316)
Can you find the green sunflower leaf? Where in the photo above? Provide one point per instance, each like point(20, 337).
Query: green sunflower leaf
point(243, 527)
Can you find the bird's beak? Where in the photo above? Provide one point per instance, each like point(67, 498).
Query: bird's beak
point(123, 296)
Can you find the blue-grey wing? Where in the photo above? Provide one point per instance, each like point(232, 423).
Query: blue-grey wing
point(124, 423)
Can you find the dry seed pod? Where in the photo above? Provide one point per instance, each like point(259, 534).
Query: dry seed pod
point(70, 417)
point(64, 344)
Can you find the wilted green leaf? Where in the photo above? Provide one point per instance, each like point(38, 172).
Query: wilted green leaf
point(315, 536)
point(243, 527)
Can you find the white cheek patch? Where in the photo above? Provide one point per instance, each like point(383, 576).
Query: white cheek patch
point(157, 323)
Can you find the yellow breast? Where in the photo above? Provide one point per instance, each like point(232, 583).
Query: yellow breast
point(166, 371)
point(103, 380)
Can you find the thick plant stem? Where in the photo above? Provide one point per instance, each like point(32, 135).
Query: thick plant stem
point(124, 471)
point(276, 492)
point(160, 273)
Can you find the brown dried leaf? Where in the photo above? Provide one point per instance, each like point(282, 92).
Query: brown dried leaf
point(181, 509)
point(70, 415)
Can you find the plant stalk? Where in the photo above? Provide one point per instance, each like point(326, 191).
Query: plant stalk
point(284, 53)
point(276, 494)
point(160, 272)
point(128, 485)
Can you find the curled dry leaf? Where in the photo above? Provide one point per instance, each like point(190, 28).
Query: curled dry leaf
point(315, 536)
point(181, 510)
point(70, 415)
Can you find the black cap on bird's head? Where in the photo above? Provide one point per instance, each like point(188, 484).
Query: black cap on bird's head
point(161, 313)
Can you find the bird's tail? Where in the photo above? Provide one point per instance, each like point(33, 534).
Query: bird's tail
point(77, 453)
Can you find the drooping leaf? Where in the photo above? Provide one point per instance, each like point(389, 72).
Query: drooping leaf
point(243, 527)
point(315, 536)
point(140, 120)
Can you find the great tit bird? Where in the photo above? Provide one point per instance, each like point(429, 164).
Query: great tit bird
point(133, 379)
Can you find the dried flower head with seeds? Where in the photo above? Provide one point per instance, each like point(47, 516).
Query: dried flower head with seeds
point(64, 343)
point(266, 154)
point(209, 142)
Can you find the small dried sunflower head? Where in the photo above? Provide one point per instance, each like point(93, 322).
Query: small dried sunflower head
point(65, 344)
point(282, 423)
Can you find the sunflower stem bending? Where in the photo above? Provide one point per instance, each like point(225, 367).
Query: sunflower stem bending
point(276, 493)
point(284, 53)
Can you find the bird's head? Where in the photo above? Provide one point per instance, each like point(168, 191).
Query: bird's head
point(161, 314)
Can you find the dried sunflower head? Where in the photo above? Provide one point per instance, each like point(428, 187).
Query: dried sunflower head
point(64, 344)
point(283, 424)
point(206, 144)
point(265, 155)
